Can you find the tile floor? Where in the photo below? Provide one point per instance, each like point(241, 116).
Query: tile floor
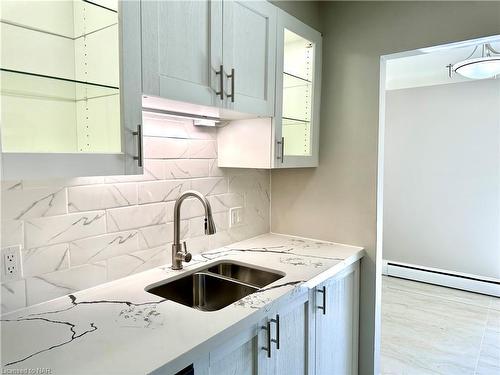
point(428, 329)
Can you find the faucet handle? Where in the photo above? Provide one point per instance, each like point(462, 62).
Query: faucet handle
point(187, 256)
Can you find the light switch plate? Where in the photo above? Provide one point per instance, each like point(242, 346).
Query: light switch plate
point(11, 263)
point(236, 216)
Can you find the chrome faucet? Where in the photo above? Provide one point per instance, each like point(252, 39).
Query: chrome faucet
point(179, 252)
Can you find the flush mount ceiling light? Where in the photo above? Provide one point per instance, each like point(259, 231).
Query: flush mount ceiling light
point(486, 66)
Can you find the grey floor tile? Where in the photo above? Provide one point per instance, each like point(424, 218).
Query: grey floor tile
point(434, 330)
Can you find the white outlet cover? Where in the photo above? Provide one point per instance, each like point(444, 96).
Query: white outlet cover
point(11, 263)
point(236, 216)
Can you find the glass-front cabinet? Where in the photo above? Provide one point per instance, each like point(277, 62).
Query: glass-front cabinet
point(298, 87)
point(70, 88)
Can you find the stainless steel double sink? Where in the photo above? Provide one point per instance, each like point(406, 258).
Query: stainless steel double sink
point(216, 286)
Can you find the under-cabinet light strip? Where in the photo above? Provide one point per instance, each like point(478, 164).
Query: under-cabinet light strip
point(190, 116)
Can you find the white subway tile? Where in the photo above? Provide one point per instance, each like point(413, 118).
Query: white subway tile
point(13, 295)
point(158, 235)
point(154, 169)
point(165, 148)
point(29, 203)
point(133, 217)
point(97, 197)
point(197, 245)
point(60, 182)
point(162, 191)
point(168, 127)
point(224, 202)
point(215, 171)
point(139, 261)
point(58, 229)
point(9, 185)
point(210, 186)
point(191, 207)
point(45, 259)
point(57, 284)
point(12, 233)
point(220, 239)
point(202, 149)
point(93, 249)
point(186, 168)
point(201, 132)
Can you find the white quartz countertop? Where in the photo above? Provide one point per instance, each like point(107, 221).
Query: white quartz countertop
point(119, 328)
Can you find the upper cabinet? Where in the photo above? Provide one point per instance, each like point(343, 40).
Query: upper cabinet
point(249, 53)
point(211, 53)
point(291, 137)
point(70, 88)
point(298, 90)
point(182, 50)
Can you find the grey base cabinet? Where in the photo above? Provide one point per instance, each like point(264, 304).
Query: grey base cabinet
point(313, 332)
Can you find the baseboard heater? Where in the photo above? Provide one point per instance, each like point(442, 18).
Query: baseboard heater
point(471, 283)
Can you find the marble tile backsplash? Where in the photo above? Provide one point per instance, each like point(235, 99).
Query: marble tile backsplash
point(78, 233)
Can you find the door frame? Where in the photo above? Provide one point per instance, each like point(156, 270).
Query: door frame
point(380, 169)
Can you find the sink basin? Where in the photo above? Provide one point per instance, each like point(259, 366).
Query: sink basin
point(214, 287)
point(245, 274)
point(203, 291)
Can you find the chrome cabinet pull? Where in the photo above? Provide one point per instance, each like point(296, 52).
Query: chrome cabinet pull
point(323, 291)
point(277, 340)
point(268, 348)
point(232, 85)
point(220, 73)
point(139, 156)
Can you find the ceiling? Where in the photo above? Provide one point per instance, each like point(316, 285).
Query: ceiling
point(429, 68)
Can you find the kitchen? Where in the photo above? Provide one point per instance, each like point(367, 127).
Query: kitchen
point(132, 105)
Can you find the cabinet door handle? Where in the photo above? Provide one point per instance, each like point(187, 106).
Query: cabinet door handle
point(232, 85)
point(282, 144)
point(323, 291)
point(268, 348)
point(282, 149)
point(220, 73)
point(139, 157)
point(277, 340)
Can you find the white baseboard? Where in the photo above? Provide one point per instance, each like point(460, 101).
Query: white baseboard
point(457, 280)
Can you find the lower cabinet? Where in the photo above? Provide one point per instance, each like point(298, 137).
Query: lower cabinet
point(284, 339)
point(336, 319)
point(312, 332)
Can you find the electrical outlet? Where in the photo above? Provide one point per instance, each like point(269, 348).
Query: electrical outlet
point(235, 216)
point(11, 263)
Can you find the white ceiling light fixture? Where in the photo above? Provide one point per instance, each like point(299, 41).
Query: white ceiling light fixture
point(486, 66)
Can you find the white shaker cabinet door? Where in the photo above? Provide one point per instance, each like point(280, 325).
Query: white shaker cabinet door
point(337, 306)
point(288, 341)
point(249, 55)
point(182, 50)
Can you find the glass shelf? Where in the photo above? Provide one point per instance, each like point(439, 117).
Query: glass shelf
point(15, 83)
point(70, 20)
point(296, 77)
point(63, 116)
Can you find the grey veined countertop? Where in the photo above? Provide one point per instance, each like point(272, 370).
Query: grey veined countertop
point(119, 328)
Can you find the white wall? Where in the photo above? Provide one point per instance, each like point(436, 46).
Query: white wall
point(442, 177)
